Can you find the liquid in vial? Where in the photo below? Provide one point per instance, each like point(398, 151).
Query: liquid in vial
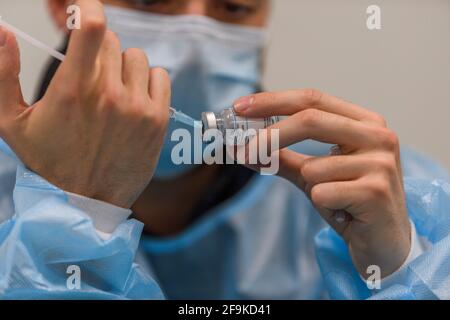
point(232, 125)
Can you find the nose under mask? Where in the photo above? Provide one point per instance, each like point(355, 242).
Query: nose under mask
point(210, 63)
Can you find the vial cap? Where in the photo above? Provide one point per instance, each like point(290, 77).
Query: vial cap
point(209, 120)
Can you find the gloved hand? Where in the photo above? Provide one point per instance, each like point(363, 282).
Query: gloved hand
point(99, 128)
point(365, 180)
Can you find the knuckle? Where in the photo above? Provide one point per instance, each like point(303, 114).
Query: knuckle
point(158, 119)
point(307, 170)
point(70, 93)
point(379, 189)
point(378, 119)
point(135, 108)
point(136, 54)
point(95, 24)
point(309, 117)
point(386, 163)
point(135, 113)
point(109, 98)
point(388, 139)
point(112, 37)
point(138, 103)
point(318, 197)
point(311, 96)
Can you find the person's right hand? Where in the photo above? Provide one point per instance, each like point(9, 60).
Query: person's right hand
point(99, 129)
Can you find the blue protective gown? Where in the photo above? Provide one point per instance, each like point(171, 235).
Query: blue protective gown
point(267, 242)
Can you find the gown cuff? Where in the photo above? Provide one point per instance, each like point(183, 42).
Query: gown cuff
point(418, 247)
point(105, 216)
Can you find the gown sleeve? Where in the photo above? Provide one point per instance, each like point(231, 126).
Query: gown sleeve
point(55, 248)
point(426, 276)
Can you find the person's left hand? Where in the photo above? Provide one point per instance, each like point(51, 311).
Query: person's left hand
point(358, 192)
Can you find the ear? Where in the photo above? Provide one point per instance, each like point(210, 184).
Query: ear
point(57, 10)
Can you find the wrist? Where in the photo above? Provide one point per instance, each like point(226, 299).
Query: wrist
point(105, 216)
point(110, 195)
point(113, 197)
point(389, 254)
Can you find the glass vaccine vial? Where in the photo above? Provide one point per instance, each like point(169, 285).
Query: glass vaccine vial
point(235, 129)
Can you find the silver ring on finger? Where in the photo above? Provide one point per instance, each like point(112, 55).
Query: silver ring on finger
point(335, 151)
point(341, 216)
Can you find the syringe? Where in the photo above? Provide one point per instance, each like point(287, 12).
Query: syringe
point(31, 40)
point(179, 116)
point(174, 114)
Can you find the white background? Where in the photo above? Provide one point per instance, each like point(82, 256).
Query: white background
point(402, 71)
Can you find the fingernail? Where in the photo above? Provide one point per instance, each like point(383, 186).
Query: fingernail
point(3, 35)
point(243, 103)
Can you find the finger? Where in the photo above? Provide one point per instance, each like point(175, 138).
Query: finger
point(85, 43)
point(159, 89)
point(287, 103)
point(111, 58)
point(334, 195)
point(336, 168)
point(291, 163)
point(355, 197)
point(135, 71)
point(324, 127)
point(11, 99)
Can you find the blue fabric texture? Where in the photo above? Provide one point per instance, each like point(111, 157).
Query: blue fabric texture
point(45, 236)
point(265, 243)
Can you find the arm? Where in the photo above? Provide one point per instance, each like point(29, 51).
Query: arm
point(97, 132)
point(48, 234)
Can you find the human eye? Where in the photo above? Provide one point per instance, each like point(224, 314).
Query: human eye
point(156, 6)
point(237, 9)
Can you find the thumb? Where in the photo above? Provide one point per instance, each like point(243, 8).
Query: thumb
point(291, 164)
point(11, 99)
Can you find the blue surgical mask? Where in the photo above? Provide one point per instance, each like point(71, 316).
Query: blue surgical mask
point(210, 63)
